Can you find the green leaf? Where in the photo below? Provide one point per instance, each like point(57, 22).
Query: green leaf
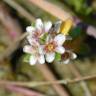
point(26, 58)
point(57, 56)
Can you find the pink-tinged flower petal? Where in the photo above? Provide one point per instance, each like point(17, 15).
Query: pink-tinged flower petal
point(50, 57)
point(27, 49)
point(32, 60)
point(60, 39)
point(39, 24)
point(30, 40)
point(60, 49)
point(30, 29)
point(40, 49)
point(41, 59)
point(35, 43)
point(74, 56)
point(47, 26)
point(66, 61)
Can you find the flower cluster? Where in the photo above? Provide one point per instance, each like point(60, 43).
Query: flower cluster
point(45, 44)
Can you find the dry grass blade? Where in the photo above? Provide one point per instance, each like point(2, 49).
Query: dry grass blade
point(41, 83)
point(83, 84)
point(24, 91)
point(20, 9)
point(50, 77)
point(10, 49)
point(11, 27)
point(52, 9)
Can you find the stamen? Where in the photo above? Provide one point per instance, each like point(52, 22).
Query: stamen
point(50, 47)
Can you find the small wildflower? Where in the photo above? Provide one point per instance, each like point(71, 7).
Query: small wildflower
point(36, 52)
point(37, 31)
point(46, 42)
point(52, 46)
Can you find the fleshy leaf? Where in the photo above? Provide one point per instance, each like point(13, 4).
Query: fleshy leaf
point(57, 57)
point(26, 58)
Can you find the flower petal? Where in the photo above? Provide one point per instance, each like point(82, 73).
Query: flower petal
point(39, 24)
point(66, 61)
point(27, 49)
point(30, 29)
point(60, 39)
point(32, 41)
point(41, 50)
point(29, 38)
point(50, 57)
point(47, 26)
point(41, 59)
point(33, 60)
point(74, 56)
point(60, 49)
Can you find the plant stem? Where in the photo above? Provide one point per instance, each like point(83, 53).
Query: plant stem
point(42, 83)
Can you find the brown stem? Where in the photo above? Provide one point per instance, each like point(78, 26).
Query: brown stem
point(23, 91)
point(41, 83)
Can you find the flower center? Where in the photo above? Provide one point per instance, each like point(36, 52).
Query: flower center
point(50, 47)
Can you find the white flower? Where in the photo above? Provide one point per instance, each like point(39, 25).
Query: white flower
point(46, 46)
point(38, 30)
point(36, 52)
point(52, 46)
point(67, 56)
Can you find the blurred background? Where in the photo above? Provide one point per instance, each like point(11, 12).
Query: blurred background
point(15, 16)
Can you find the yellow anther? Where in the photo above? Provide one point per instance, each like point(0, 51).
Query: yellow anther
point(50, 47)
